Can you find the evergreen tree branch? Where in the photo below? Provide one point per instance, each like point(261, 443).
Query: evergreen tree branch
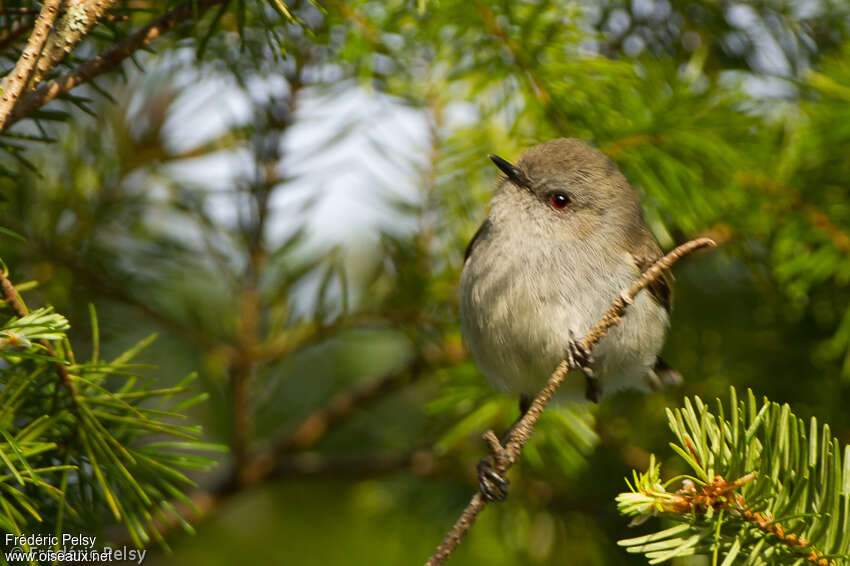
point(245, 362)
point(505, 456)
point(113, 451)
point(516, 52)
point(10, 295)
point(819, 219)
point(789, 503)
point(108, 61)
point(281, 459)
point(341, 406)
point(15, 83)
point(78, 19)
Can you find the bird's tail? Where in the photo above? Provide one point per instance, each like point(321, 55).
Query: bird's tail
point(663, 376)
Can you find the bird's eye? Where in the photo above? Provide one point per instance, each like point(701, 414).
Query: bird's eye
point(560, 200)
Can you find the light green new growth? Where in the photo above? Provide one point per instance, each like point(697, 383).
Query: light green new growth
point(765, 488)
point(84, 441)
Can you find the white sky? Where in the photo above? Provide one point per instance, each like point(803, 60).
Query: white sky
point(346, 178)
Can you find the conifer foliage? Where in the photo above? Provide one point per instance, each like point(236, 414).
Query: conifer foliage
point(186, 166)
point(86, 439)
point(765, 487)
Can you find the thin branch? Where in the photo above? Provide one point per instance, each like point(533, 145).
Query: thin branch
point(636, 140)
point(517, 53)
point(119, 293)
point(343, 404)
point(10, 295)
point(15, 83)
point(506, 456)
point(314, 426)
point(279, 461)
point(21, 26)
point(107, 61)
point(78, 19)
point(420, 462)
point(719, 494)
point(817, 217)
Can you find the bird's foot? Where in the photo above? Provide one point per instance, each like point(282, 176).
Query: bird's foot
point(580, 358)
point(492, 484)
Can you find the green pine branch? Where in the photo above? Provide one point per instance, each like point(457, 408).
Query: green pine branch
point(81, 442)
point(764, 487)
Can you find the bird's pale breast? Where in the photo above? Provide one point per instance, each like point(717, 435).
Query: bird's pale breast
point(517, 314)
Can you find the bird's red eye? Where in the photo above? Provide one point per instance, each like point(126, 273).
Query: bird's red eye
point(560, 200)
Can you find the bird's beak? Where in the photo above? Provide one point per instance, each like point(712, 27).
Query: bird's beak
point(510, 171)
point(506, 167)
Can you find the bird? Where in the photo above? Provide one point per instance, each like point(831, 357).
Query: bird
point(565, 234)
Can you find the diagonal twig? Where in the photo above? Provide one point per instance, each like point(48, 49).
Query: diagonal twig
point(16, 81)
point(79, 17)
point(285, 458)
point(310, 429)
point(107, 61)
point(506, 456)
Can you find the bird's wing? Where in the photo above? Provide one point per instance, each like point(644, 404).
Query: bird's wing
point(647, 253)
point(480, 233)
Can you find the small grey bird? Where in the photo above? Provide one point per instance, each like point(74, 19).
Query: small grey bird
point(565, 235)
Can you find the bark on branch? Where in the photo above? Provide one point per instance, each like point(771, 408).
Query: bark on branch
point(72, 26)
point(15, 83)
point(504, 457)
point(109, 60)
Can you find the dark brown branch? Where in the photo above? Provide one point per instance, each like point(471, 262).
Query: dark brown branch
point(342, 405)
point(108, 61)
point(506, 456)
point(15, 83)
point(249, 336)
point(242, 370)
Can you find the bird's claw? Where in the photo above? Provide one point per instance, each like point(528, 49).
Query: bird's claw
point(580, 358)
point(492, 484)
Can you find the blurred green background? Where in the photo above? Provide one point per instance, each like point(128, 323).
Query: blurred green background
point(288, 203)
